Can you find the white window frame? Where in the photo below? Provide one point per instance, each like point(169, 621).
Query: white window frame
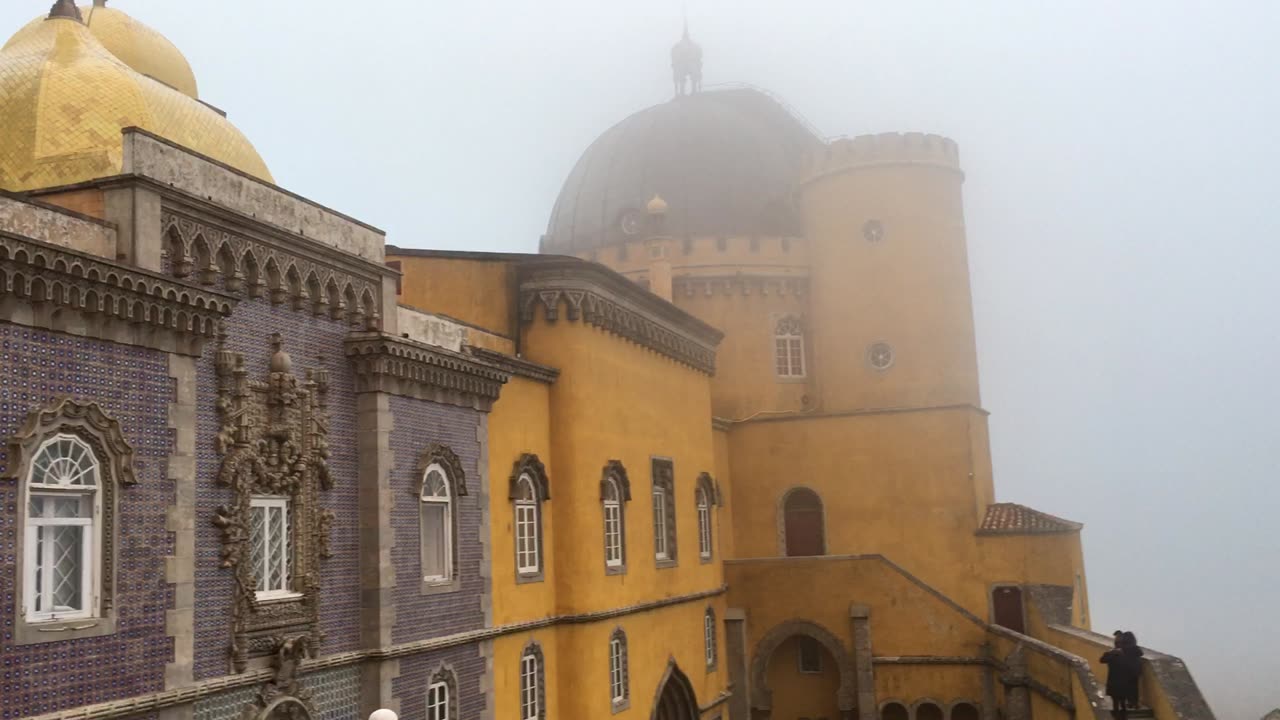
point(614, 555)
point(528, 533)
point(789, 359)
point(529, 700)
point(709, 637)
point(266, 502)
point(438, 701)
point(661, 550)
point(447, 502)
point(90, 540)
point(704, 524)
point(617, 669)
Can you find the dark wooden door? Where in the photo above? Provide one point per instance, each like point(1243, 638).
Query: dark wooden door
point(1006, 605)
point(806, 535)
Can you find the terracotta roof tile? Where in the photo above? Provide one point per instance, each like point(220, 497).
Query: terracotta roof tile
point(1013, 519)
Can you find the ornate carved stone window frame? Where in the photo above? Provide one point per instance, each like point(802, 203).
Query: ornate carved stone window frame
point(446, 675)
point(664, 478)
point(273, 441)
point(88, 423)
point(443, 456)
point(528, 465)
point(614, 472)
point(540, 677)
point(706, 487)
point(620, 705)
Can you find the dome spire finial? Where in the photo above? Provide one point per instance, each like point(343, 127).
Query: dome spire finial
point(686, 63)
point(100, 3)
point(65, 9)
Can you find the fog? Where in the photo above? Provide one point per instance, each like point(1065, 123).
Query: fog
point(1123, 161)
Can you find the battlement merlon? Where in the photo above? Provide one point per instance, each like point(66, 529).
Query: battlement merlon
point(884, 150)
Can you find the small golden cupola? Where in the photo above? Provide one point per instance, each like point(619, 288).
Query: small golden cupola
point(67, 100)
point(136, 44)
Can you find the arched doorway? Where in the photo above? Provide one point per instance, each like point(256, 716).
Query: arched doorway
point(1007, 609)
point(801, 667)
point(804, 528)
point(675, 699)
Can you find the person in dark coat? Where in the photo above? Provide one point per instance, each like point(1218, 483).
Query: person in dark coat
point(1124, 671)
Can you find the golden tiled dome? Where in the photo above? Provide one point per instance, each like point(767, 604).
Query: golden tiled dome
point(64, 100)
point(138, 45)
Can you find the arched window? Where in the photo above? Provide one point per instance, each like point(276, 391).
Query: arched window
point(619, 682)
point(442, 695)
point(894, 711)
point(62, 547)
point(788, 343)
point(664, 513)
point(614, 525)
point(803, 524)
point(965, 711)
point(437, 525)
point(709, 637)
point(528, 535)
point(928, 711)
point(532, 690)
point(705, 500)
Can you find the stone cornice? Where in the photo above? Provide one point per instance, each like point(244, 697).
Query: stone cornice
point(515, 365)
point(64, 290)
point(208, 688)
point(602, 298)
point(385, 363)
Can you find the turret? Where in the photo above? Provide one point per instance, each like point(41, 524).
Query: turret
point(891, 312)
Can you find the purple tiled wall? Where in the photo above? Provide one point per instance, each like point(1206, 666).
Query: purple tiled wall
point(306, 339)
point(417, 424)
point(133, 386)
point(415, 677)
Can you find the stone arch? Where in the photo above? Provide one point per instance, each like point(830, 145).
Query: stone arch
point(968, 710)
point(675, 698)
point(894, 710)
point(286, 708)
point(762, 695)
point(933, 709)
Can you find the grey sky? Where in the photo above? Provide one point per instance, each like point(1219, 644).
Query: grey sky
point(1122, 159)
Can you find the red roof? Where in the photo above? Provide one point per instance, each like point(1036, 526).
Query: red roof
point(1013, 519)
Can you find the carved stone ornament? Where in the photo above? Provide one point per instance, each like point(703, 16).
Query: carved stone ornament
point(273, 441)
point(385, 363)
point(102, 434)
point(284, 698)
point(444, 456)
point(530, 465)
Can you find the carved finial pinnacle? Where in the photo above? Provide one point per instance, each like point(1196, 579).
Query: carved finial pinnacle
point(66, 9)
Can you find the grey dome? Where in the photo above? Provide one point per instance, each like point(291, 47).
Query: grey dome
point(726, 162)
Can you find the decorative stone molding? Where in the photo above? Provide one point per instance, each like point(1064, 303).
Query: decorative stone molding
point(742, 285)
point(620, 705)
point(444, 456)
point(283, 697)
point(602, 298)
point(88, 423)
point(515, 365)
point(273, 441)
point(708, 485)
point(444, 673)
point(535, 649)
point(61, 289)
point(530, 465)
point(664, 479)
point(762, 695)
point(614, 469)
point(678, 693)
point(256, 268)
point(384, 363)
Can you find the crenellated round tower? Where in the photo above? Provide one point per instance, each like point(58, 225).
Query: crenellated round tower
point(891, 313)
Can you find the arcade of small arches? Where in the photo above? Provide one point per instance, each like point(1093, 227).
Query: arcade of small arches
point(927, 709)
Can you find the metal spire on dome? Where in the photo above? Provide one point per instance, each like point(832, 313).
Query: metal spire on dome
point(66, 9)
point(686, 64)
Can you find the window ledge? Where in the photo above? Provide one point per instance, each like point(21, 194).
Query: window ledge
point(528, 578)
point(706, 559)
point(277, 597)
point(615, 570)
point(440, 587)
point(34, 633)
point(621, 706)
point(667, 563)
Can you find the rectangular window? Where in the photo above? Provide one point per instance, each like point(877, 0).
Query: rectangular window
point(527, 538)
point(529, 688)
point(59, 557)
point(438, 702)
point(613, 534)
point(435, 541)
point(789, 356)
point(660, 549)
point(269, 533)
point(810, 656)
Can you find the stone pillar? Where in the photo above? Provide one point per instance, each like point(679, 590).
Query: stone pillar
point(863, 664)
point(136, 213)
point(735, 644)
point(180, 568)
point(989, 710)
point(1016, 681)
point(374, 424)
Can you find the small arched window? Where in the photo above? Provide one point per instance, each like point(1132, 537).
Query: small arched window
point(803, 524)
point(965, 711)
point(619, 682)
point(894, 711)
point(62, 547)
point(709, 637)
point(705, 499)
point(614, 525)
point(437, 525)
point(664, 513)
point(528, 534)
point(442, 695)
point(532, 690)
point(788, 344)
point(928, 711)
